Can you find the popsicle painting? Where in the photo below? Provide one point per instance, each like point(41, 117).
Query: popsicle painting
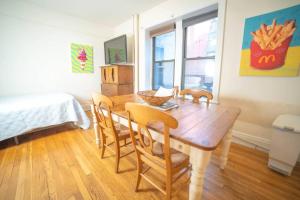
point(82, 58)
point(271, 44)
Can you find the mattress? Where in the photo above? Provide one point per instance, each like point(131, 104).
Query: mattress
point(21, 114)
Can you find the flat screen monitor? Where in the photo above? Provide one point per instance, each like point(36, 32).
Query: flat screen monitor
point(116, 50)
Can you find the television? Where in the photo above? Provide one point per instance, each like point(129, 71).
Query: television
point(116, 50)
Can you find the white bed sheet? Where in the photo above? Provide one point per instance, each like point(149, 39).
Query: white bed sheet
point(20, 114)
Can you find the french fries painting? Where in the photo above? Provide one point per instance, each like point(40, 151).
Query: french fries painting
point(270, 44)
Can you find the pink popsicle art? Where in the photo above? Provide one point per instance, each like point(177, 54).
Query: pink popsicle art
point(82, 58)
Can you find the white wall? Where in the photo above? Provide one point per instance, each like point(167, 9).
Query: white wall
point(35, 51)
point(260, 98)
point(126, 28)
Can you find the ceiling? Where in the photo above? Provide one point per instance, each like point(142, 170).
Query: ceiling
point(106, 12)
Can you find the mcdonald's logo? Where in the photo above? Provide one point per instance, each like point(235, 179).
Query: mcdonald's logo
point(266, 59)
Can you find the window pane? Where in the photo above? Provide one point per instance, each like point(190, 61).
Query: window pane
point(163, 75)
point(201, 39)
point(165, 46)
point(199, 74)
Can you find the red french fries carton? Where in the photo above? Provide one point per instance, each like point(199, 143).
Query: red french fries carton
point(268, 59)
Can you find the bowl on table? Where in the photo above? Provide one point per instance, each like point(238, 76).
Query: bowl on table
point(149, 97)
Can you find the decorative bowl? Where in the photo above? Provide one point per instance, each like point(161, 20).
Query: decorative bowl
point(148, 96)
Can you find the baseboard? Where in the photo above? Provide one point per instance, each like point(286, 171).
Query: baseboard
point(252, 141)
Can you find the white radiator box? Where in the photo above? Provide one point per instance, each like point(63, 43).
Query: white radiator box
point(285, 144)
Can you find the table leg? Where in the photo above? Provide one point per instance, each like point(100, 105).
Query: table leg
point(96, 130)
point(199, 160)
point(225, 149)
point(16, 140)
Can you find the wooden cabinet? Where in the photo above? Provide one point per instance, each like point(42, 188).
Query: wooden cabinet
point(118, 74)
point(116, 80)
point(115, 89)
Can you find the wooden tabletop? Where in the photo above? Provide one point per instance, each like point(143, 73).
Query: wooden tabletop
point(200, 125)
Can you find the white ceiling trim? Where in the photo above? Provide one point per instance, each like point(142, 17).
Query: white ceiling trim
point(107, 12)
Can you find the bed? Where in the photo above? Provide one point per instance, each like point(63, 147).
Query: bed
point(22, 114)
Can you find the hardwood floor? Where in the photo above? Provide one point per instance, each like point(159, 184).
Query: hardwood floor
point(64, 163)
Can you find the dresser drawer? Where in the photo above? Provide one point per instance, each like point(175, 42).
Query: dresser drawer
point(116, 89)
point(109, 89)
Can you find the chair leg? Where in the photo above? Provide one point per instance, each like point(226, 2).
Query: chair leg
point(168, 187)
point(139, 171)
point(103, 145)
point(117, 150)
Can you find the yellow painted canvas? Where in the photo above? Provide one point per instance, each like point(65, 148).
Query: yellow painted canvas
point(271, 44)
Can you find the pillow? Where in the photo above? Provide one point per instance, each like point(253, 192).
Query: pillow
point(163, 92)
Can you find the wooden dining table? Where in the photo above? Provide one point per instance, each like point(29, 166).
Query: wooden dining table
point(202, 128)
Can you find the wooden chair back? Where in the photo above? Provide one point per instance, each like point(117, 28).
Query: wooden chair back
point(103, 104)
point(144, 115)
point(197, 94)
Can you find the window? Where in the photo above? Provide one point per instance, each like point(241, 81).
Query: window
point(163, 60)
point(200, 39)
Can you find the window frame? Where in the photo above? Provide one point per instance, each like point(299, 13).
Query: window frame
point(162, 61)
point(185, 24)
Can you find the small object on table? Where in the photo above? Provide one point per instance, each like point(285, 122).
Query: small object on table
point(150, 98)
point(166, 106)
point(164, 92)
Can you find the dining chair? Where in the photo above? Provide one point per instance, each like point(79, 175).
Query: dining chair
point(160, 157)
point(197, 94)
point(109, 129)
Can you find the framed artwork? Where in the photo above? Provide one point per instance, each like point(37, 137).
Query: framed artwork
point(271, 44)
point(82, 58)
